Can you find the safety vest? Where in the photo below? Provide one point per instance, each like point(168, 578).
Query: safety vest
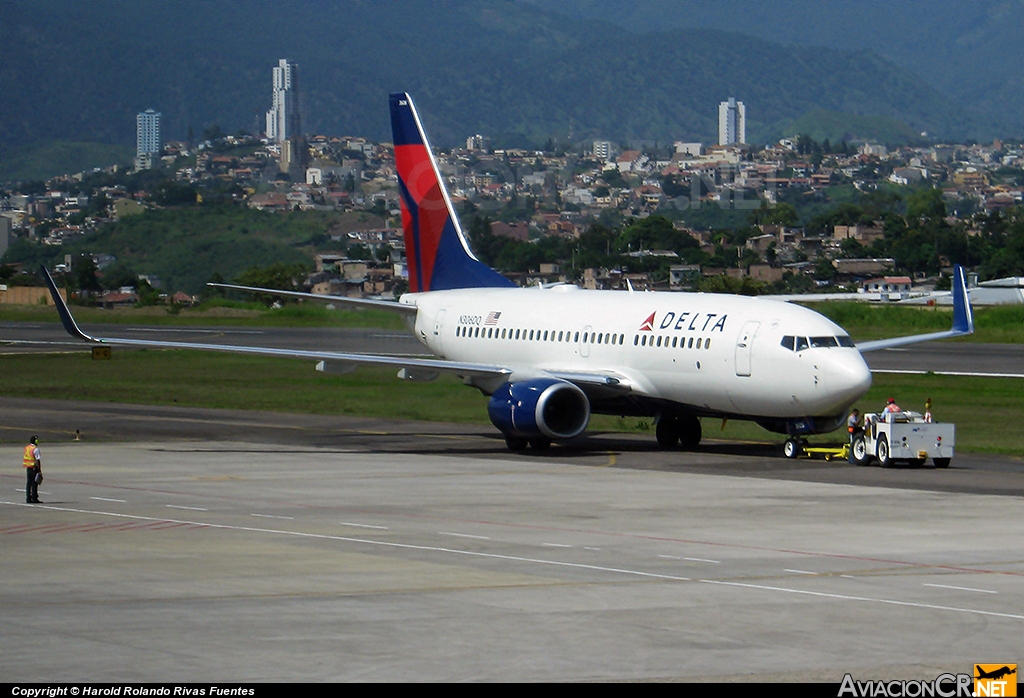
point(29, 461)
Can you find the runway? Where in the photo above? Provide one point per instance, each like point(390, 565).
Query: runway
point(17, 337)
point(213, 545)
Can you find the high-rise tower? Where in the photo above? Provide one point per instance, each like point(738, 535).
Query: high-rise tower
point(732, 122)
point(283, 119)
point(147, 138)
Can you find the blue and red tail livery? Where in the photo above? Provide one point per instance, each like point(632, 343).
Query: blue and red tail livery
point(436, 250)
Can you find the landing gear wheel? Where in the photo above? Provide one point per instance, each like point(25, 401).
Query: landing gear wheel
point(859, 451)
point(540, 444)
point(884, 456)
point(667, 432)
point(941, 462)
point(792, 448)
point(689, 432)
point(515, 444)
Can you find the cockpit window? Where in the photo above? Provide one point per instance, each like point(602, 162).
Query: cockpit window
point(801, 343)
point(824, 342)
point(789, 342)
point(845, 341)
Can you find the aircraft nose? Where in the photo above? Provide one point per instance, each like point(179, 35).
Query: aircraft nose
point(847, 376)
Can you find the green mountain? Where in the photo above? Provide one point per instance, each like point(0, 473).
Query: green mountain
point(969, 51)
point(837, 127)
point(518, 73)
point(51, 158)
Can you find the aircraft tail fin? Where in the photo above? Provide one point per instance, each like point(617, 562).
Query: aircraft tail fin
point(436, 249)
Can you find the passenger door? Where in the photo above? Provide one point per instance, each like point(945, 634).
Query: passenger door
point(743, 346)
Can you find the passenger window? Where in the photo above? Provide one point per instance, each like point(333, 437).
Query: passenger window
point(698, 342)
point(801, 343)
point(643, 341)
point(636, 340)
point(576, 337)
point(707, 343)
point(622, 337)
point(559, 336)
point(691, 343)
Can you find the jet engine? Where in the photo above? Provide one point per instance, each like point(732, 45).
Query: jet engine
point(539, 408)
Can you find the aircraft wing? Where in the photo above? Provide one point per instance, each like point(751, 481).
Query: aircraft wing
point(963, 320)
point(391, 306)
point(331, 359)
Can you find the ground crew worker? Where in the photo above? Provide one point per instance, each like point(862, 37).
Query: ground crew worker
point(928, 410)
point(891, 406)
point(33, 468)
point(853, 423)
point(853, 426)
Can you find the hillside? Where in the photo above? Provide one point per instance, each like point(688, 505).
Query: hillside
point(969, 51)
point(510, 70)
point(40, 161)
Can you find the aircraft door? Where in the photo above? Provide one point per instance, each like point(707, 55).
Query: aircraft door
point(436, 340)
point(743, 347)
point(585, 341)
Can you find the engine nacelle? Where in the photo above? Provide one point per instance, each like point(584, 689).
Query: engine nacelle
point(541, 407)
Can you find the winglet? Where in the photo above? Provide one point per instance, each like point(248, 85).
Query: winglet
point(963, 316)
point(963, 321)
point(62, 309)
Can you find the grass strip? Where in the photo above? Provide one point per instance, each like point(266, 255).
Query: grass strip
point(987, 411)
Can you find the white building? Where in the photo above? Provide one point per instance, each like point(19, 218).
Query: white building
point(147, 138)
point(603, 150)
point(283, 120)
point(732, 122)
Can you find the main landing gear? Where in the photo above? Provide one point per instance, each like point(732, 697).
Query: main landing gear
point(518, 444)
point(678, 429)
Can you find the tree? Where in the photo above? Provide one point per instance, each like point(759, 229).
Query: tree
point(282, 276)
point(924, 204)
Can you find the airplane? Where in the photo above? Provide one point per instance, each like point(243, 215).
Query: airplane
point(995, 674)
point(550, 356)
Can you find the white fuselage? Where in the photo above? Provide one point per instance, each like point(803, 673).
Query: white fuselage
point(716, 354)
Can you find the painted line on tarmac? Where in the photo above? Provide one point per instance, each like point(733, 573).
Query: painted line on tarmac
point(108, 499)
point(176, 506)
point(969, 374)
point(947, 586)
point(798, 571)
point(537, 561)
point(868, 599)
point(359, 525)
point(463, 535)
point(380, 543)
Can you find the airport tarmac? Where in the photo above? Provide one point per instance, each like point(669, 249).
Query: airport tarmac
point(216, 545)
